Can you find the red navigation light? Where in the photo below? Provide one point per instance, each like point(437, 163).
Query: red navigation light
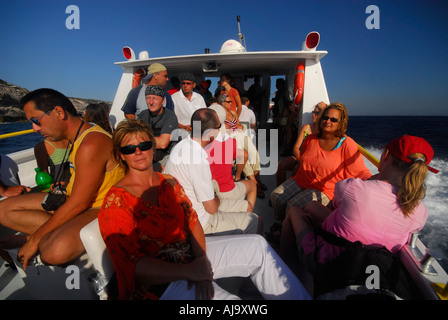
point(312, 40)
point(128, 53)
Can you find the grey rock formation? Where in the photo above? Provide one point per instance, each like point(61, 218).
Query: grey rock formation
point(10, 109)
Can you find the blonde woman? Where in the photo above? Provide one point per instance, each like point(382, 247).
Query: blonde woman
point(381, 211)
point(156, 242)
point(326, 157)
point(291, 163)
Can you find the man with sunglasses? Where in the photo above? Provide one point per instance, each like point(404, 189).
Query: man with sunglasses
point(136, 101)
point(54, 231)
point(186, 101)
point(162, 121)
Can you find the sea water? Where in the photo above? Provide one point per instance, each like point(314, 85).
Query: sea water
point(371, 132)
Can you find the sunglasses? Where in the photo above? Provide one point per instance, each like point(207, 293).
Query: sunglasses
point(187, 83)
point(325, 118)
point(229, 101)
point(131, 148)
point(36, 121)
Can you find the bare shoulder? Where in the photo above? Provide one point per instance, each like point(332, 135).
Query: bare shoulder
point(98, 140)
point(95, 146)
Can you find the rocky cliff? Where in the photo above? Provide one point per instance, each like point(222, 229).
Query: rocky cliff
point(10, 109)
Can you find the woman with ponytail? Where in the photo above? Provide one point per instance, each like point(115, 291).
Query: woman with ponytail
point(381, 211)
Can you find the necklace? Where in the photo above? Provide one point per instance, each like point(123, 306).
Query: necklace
point(76, 136)
point(65, 158)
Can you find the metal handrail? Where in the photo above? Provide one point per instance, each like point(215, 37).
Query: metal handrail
point(369, 156)
point(17, 133)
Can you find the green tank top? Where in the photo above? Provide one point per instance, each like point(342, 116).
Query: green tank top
point(57, 156)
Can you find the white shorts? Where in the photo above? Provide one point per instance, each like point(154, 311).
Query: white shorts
point(244, 256)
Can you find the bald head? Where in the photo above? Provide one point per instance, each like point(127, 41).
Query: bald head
point(202, 120)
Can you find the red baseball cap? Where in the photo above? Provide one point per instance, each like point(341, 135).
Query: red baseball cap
point(204, 84)
point(406, 145)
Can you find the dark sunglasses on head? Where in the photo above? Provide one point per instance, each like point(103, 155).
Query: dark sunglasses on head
point(325, 118)
point(131, 148)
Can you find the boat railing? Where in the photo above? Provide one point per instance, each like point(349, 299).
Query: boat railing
point(17, 133)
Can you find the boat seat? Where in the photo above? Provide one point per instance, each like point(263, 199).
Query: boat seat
point(51, 282)
point(45, 282)
point(96, 249)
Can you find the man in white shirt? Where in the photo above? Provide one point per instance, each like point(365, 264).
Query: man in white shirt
point(248, 119)
point(189, 165)
point(186, 101)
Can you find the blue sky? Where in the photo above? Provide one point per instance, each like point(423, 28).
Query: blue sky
point(399, 69)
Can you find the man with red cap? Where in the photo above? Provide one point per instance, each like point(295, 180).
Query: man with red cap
point(205, 92)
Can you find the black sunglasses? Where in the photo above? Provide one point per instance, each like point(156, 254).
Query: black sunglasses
point(325, 118)
point(36, 121)
point(131, 148)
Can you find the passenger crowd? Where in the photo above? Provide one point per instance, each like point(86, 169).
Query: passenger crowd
point(174, 188)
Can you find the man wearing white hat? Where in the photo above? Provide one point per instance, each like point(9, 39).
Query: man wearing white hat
point(136, 101)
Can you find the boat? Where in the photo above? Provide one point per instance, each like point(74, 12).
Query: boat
point(87, 277)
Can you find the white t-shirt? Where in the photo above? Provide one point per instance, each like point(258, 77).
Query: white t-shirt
point(189, 165)
point(247, 115)
point(184, 108)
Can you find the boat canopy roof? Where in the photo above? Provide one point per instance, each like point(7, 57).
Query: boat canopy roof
point(214, 64)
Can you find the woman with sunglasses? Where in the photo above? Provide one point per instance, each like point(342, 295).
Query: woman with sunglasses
point(252, 168)
point(381, 211)
point(291, 163)
point(325, 158)
point(157, 245)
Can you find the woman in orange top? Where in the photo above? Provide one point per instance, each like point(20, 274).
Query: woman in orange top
point(291, 163)
point(137, 214)
point(325, 158)
point(231, 92)
point(157, 245)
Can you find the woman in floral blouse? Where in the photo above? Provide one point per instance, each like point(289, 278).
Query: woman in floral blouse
point(157, 245)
